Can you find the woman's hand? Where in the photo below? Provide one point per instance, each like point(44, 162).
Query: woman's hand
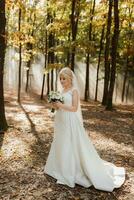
point(59, 104)
point(54, 105)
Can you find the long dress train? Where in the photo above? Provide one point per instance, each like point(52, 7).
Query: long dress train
point(74, 159)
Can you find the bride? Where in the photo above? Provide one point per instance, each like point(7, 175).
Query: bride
point(72, 158)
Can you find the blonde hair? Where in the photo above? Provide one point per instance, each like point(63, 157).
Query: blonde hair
point(67, 72)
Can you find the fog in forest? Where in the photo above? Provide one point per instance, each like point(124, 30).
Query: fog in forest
point(36, 77)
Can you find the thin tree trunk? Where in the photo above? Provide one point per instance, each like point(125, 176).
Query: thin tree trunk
point(87, 80)
point(74, 25)
point(114, 55)
point(29, 48)
point(43, 83)
point(51, 43)
point(20, 58)
point(52, 79)
point(124, 81)
point(48, 85)
point(98, 66)
point(3, 122)
point(107, 62)
point(73, 58)
point(27, 75)
point(127, 90)
point(68, 53)
point(87, 92)
point(128, 48)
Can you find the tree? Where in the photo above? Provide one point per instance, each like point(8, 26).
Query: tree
point(3, 122)
point(20, 55)
point(29, 47)
point(99, 59)
point(113, 56)
point(129, 49)
point(88, 53)
point(107, 60)
point(74, 27)
point(44, 75)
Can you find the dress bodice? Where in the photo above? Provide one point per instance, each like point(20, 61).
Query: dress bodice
point(67, 96)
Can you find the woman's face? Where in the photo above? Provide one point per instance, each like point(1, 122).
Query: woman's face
point(65, 81)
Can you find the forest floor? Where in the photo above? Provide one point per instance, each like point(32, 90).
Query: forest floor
point(25, 145)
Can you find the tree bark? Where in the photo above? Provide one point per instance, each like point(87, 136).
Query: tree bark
point(107, 62)
point(74, 26)
point(20, 57)
point(68, 53)
point(3, 122)
point(128, 57)
point(51, 43)
point(87, 80)
point(87, 92)
point(113, 56)
point(43, 83)
point(98, 66)
point(51, 56)
point(29, 49)
point(124, 81)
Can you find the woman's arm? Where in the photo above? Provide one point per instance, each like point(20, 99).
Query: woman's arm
point(51, 105)
point(75, 101)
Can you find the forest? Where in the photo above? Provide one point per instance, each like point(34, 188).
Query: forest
point(95, 39)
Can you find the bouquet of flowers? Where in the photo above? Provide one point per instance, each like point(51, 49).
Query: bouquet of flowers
point(54, 97)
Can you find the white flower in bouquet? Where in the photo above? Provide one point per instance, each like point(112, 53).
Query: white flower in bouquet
point(55, 96)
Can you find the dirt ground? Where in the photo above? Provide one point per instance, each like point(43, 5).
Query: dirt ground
point(25, 146)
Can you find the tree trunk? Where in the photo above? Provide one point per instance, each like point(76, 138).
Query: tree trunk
point(127, 90)
point(114, 55)
point(52, 80)
point(51, 56)
point(74, 26)
point(48, 85)
point(107, 62)
point(43, 83)
point(87, 92)
point(51, 44)
point(28, 69)
point(20, 57)
point(98, 66)
point(3, 122)
point(128, 48)
point(68, 53)
point(124, 81)
point(73, 58)
point(87, 80)
point(29, 49)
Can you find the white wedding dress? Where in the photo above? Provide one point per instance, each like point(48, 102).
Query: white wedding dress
point(73, 158)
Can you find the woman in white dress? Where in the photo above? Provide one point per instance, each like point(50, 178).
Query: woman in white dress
point(72, 158)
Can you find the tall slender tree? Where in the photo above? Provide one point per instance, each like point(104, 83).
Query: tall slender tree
point(20, 55)
point(74, 27)
point(130, 35)
point(87, 95)
point(107, 51)
point(99, 60)
point(29, 47)
point(51, 56)
point(45, 65)
point(3, 122)
point(113, 55)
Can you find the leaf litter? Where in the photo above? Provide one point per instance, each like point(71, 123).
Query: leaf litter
point(24, 148)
